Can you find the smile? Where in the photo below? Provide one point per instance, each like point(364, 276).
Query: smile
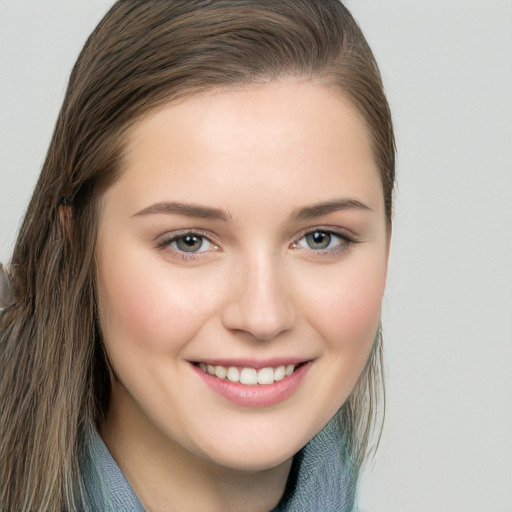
point(249, 376)
point(250, 386)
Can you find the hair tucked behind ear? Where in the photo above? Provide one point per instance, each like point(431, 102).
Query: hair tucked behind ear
point(55, 381)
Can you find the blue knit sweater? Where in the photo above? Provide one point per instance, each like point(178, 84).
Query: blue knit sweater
point(318, 480)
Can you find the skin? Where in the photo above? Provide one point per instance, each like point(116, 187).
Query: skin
point(256, 290)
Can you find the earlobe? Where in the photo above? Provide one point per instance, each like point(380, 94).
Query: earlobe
point(65, 217)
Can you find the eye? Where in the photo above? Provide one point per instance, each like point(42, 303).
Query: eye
point(320, 240)
point(191, 243)
point(323, 241)
point(186, 243)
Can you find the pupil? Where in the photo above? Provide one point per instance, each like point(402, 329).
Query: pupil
point(318, 240)
point(189, 243)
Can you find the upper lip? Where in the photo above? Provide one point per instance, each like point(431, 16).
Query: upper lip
point(252, 363)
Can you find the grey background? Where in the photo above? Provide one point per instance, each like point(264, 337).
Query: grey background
point(447, 314)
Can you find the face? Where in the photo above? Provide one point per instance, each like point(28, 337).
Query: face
point(246, 238)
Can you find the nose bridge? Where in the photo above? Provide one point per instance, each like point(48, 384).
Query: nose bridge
point(260, 304)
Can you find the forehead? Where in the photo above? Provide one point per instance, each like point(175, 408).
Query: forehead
point(297, 141)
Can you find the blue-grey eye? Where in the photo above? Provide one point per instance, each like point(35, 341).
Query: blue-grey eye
point(191, 243)
point(320, 240)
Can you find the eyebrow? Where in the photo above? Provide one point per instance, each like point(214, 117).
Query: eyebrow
point(336, 205)
point(206, 212)
point(187, 210)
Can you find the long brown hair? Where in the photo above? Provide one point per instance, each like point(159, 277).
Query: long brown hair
point(55, 380)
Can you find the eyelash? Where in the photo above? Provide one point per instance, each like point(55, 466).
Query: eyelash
point(166, 242)
point(344, 243)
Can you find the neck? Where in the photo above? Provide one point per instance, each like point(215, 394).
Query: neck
point(166, 476)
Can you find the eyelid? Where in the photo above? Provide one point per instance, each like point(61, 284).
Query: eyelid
point(164, 242)
point(347, 237)
point(335, 230)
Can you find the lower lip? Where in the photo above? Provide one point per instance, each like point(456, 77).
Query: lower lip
point(260, 395)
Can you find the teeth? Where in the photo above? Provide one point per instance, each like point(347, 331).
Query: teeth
point(220, 372)
point(249, 376)
point(266, 376)
point(279, 373)
point(233, 374)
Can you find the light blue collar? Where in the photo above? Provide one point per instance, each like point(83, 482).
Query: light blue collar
point(318, 479)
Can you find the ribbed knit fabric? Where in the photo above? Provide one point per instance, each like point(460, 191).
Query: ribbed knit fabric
point(106, 487)
point(318, 480)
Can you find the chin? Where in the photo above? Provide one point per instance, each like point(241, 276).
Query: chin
point(264, 459)
point(263, 448)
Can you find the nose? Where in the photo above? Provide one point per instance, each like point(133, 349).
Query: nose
point(260, 301)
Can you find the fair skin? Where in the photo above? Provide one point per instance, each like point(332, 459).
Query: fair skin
point(253, 278)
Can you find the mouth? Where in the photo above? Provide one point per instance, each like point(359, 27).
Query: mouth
point(250, 384)
point(248, 375)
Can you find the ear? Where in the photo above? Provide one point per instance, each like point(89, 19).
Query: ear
point(65, 217)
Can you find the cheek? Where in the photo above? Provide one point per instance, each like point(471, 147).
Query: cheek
point(143, 306)
point(346, 309)
point(359, 307)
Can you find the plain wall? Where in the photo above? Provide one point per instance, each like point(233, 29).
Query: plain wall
point(447, 314)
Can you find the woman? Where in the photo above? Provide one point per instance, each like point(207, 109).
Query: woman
point(200, 271)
